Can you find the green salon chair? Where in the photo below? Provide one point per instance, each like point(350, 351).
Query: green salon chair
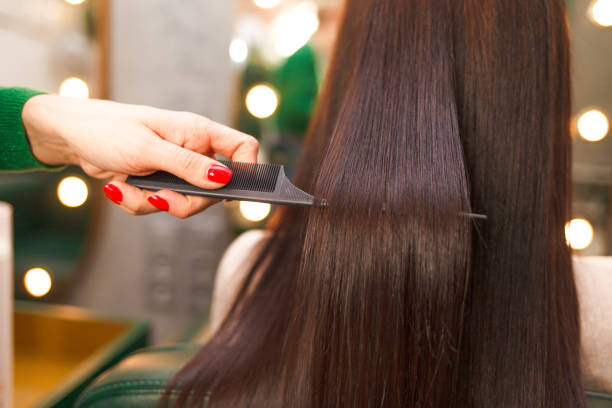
point(139, 380)
point(598, 400)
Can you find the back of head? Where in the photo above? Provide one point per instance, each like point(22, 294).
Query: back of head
point(389, 297)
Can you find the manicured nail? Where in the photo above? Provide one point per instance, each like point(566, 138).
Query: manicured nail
point(228, 201)
point(219, 174)
point(113, 193)
point(159, 202)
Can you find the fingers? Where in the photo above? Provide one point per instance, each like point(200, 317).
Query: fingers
point(193, 167)
point(200, 134)
point(179, 205)
point(135, 201)
point(95, 171)
point(229, 142)
point(131, 199)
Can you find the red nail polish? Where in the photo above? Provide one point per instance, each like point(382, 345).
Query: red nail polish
point(113, 193)
point(219, 174)
point(159, 202)
point(228, 201)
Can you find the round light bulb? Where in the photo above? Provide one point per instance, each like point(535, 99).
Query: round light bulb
point(579, 233)
point(239, 50)
point(262, 101)
point(601, 12)
point(266, 4)
point(593, 125)
point(72, 191)
point(74, 87)
point(254, 211)
point(37, 282)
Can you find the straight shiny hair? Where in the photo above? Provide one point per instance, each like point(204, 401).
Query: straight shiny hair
point(389, 298)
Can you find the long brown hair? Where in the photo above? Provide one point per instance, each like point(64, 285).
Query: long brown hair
point(390, 298)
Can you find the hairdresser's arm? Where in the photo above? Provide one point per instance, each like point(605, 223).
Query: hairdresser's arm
point(112, 140)
point(594, 285)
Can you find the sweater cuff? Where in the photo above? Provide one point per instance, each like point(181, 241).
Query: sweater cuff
point(15, 151)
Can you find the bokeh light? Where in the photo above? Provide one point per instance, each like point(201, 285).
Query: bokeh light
point(72, 191)
point(37, 282)
point(593, 125)
point(266, 4)
point(579, 233)
point(239, 50)
point(601, 12)
point(74, 87)
point(262, 101)
point(254, 211)
point(293, 28)
point(75, 2)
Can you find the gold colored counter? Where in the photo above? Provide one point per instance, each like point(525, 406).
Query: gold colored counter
point(60, 349)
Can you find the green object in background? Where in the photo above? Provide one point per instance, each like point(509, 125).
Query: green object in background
point(297, 84)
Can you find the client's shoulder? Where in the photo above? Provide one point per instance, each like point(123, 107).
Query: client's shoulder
point(593, 274)
point(233, 268)
point(241, 253)
point(593, 263)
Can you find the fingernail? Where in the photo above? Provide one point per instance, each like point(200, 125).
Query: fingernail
point(219, 174)
point(228, 201)
point(113, 193)
point(159, 202)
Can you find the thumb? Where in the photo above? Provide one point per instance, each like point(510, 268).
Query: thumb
point(193, 167)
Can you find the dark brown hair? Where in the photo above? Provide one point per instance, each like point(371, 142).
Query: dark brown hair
point(390, 298)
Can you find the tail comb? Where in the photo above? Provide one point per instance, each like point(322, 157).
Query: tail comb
point(266, 183)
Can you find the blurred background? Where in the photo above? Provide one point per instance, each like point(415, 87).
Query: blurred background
point(252, 64)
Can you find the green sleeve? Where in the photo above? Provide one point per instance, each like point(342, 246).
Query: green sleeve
point(15, 152)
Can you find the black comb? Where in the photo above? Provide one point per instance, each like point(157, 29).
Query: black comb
point(266, 183)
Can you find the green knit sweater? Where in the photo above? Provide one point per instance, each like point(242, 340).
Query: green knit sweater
point(15, 153)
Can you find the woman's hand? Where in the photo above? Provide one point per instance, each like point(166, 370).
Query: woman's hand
point(112, 140)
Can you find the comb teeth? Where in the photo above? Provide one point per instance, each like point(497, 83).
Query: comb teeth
point(252, 176)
